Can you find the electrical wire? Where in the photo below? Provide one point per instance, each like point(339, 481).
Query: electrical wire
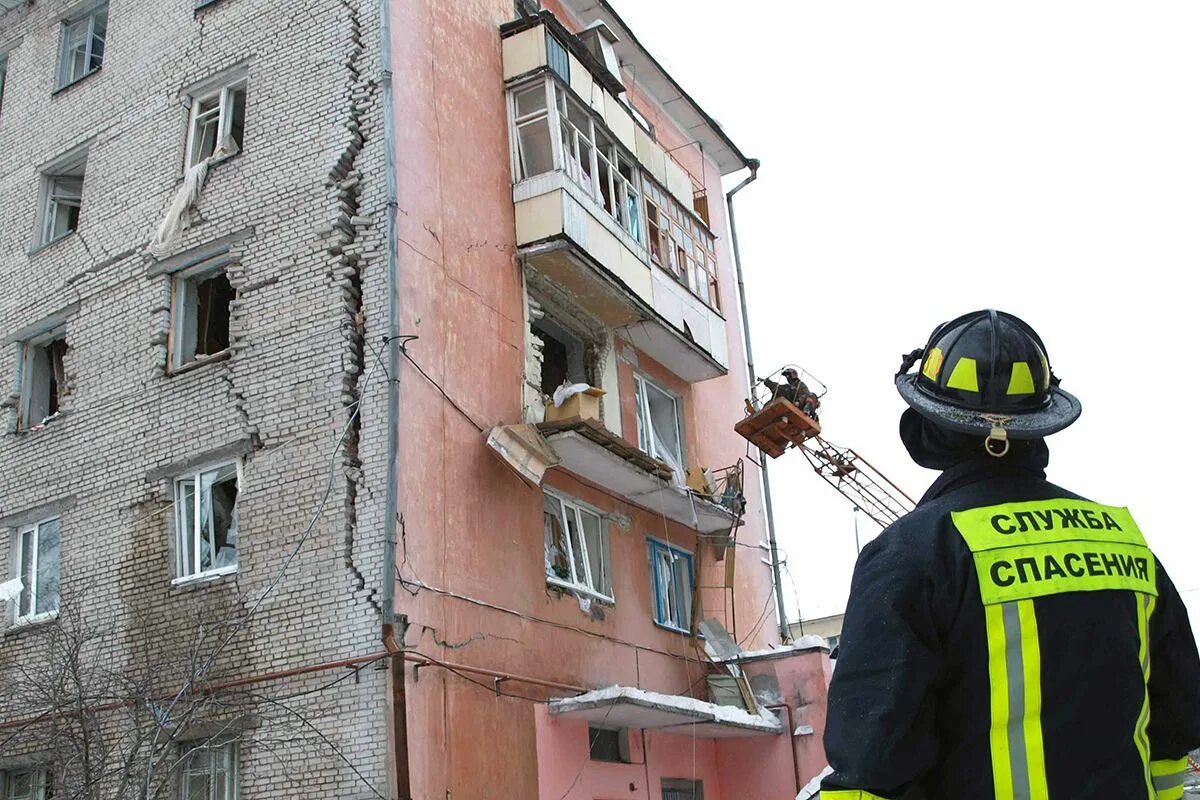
point(405, 339)
point(304, 536)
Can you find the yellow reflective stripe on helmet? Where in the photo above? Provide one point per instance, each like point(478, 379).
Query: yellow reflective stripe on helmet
point(1041, 521)
point(1015, 678)
point(965, 376)
point(933, 364)
point(1168, 776)
point(849, 794)
point(1141, 740)
point(1021, 381)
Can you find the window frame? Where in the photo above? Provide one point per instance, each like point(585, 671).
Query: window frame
point(578, 154)
point(183, 287)
point(89, 16)
point(44, 341)
point(41, 779)
point(643, 418)
point(223, 91)
point(51, 198)
point(34, 616)
point(678, 227)
point(231, 752)
point(578, 587)
point(658, 548)
point(3, 78)
point(195, 477)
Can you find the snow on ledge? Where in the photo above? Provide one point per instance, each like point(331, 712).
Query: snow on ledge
point(804, 644)
point(672, 708)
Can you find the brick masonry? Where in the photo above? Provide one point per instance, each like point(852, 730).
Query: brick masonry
point(301, 208)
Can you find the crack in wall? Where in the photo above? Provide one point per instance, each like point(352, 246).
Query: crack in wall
point(346, 261)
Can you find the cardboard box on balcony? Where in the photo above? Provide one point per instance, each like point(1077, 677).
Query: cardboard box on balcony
point(585, 405)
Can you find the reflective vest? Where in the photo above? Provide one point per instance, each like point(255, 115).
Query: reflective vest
point(1011, 640)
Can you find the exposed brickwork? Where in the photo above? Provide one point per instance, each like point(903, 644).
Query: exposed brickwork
point(299, 205)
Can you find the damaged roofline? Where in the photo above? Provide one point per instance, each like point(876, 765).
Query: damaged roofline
point(627, 32)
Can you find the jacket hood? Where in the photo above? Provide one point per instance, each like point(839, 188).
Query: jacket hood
point(935, 447)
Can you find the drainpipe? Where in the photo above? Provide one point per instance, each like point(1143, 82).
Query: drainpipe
point(754, 164)
point(391, 634)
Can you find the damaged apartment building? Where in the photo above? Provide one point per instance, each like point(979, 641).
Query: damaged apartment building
point(373, 367)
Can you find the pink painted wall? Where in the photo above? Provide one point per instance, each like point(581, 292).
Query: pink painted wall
point(565, 772)
point(752, 768)
point(471, 531)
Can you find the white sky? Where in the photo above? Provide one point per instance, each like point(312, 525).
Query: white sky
point(925, 159)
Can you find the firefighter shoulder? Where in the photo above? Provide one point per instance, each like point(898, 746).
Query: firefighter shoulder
point(1009, 638)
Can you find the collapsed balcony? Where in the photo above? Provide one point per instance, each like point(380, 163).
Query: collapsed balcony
point(585, 448)
point(627, 707)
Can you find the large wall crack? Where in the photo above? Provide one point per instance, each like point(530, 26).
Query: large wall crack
point(346, 260)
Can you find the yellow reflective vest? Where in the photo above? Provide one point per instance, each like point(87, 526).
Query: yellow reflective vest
point(1011, 640)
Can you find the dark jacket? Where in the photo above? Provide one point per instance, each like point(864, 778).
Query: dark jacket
point(916, 687)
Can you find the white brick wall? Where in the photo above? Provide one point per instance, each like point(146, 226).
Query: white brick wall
point(282, 397)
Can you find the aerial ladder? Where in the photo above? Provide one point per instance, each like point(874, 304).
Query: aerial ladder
point(776, 422)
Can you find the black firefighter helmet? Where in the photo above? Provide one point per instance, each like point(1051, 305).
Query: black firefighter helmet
point(987, 373)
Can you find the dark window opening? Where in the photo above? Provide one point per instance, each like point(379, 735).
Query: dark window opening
point(562, 357)
point(202, 309)
point(609, 745)
point(677, 789)
point(213, 297)
point(43, 382)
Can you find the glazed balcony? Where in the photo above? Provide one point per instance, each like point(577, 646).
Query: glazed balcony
point(602, 210)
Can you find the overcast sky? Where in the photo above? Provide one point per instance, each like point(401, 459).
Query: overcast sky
point(924, 159)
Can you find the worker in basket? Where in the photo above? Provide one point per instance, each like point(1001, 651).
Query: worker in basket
point(1008, 638)
point(795, 391)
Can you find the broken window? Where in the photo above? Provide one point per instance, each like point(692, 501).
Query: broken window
point(577, 555)
point(658, 428)
point(42, 379)
point(680, 242)
point(562, 356)
point(680, 789)
point(673, 579)
point(26, 784)
point(585, 150)
point(62, 200)
point(208, 771)
point(535, 150)
point(610, 745)
point(526, 8)
point(200, 317)
point(206, 535)
point(37, 567)
point(82, 45)
point(218, 123)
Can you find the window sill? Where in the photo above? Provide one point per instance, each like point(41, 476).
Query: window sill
point(40, 248)
point(75, 82)
point(581, 591)
point(23, 624)
point(204, 578)
point(224, 355)
point(52, 420)
point(667, 627)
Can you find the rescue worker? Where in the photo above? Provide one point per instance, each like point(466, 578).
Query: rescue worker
point(795, 391)
point(1008, 639)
